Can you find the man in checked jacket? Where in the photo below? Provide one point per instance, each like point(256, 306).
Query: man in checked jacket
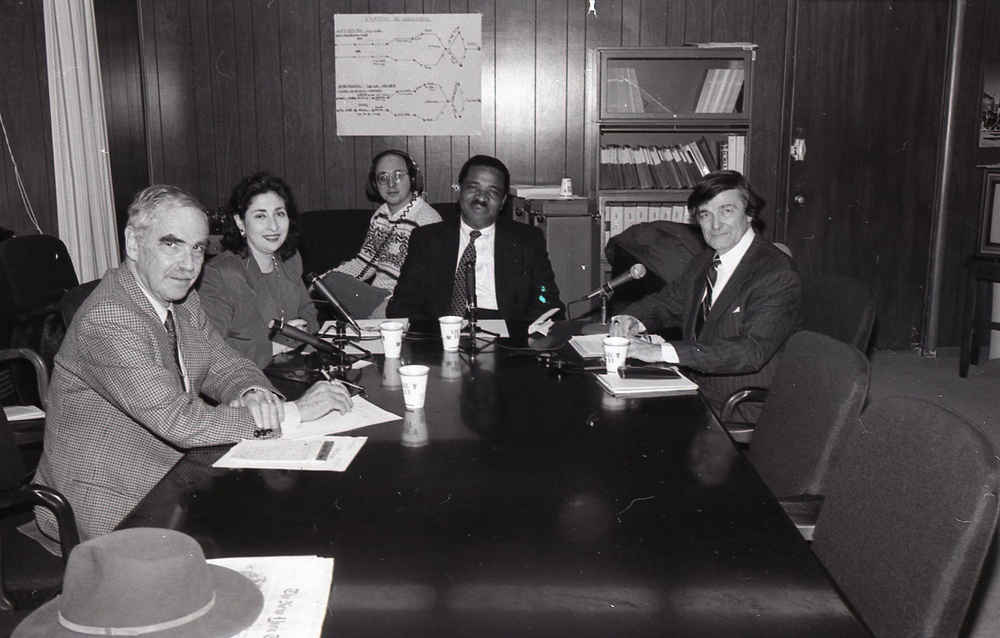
point(125, 400)
point(733, 320)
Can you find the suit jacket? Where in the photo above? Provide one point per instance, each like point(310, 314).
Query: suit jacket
point(234, 297)
point(118, 415)
point(525, 284)
point(760, 307)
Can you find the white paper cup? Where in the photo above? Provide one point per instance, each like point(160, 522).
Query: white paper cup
point(415, 428)
point(451, 331)
point(414, 379)
point(615, 351)
point(392, 338)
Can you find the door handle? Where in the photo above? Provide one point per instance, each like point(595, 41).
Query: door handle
point(800, 200)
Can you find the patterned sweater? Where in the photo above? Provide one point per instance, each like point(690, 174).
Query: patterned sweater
point(384, 249)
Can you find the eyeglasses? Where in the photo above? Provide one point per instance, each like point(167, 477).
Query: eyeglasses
point(395, 176)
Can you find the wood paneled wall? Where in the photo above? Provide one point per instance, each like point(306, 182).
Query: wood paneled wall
point(236, 86)
point(24, 106)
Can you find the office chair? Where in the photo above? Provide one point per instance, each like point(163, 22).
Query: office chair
point(24, 381)
point(816, 397)
point(909, 516)
point(840, 307)
point(30, 574)
point(35, 271)
point(833, 305)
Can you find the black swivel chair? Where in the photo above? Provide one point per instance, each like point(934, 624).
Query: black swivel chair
point(30, 575)
point(24, 381)
point(909, 516)
point(814, 402)
point(35, 271)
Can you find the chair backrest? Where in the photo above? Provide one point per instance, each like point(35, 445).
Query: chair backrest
point(840, 307)
point(36, 270)
point(74, 298)
point(814, 400)
point(331, 237)
point(909, 517)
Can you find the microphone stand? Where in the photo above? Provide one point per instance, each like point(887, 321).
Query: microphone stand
point(342, 342)
point(471, 307)
point(602, 327)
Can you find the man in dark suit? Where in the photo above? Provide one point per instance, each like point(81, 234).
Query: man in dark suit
point(736, 303)
point(125, 398)
point(513, 276)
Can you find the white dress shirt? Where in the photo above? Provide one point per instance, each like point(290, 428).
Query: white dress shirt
point(486, 284)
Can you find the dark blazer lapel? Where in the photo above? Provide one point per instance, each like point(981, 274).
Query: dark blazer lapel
point(730, 294)
point(445, 260)
point(505, 263)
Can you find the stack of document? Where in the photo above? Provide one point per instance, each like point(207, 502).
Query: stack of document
point(329, 454)
point(619, 387)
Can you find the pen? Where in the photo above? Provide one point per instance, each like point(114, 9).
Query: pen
point(359, 388)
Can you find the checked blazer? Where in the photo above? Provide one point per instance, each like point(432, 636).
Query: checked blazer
point(525, 284)
point(760, 307)
point(119, 417)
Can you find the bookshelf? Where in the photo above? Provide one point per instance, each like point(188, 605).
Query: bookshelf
point(665, 116)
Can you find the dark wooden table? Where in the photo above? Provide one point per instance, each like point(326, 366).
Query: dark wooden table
point(538, 505)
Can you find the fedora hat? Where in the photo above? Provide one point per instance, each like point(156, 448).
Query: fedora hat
point(145, 582)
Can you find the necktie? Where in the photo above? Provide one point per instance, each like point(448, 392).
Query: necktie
point(458, 292)
point(706, 303)
point(168, 324)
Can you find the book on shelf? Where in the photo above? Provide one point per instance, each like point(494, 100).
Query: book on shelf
point(731, 91)
point(706, 153)
point(720, 90)
point(624, 94)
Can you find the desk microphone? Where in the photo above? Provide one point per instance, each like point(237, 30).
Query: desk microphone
point(638, 271)
point(278, 326)
point(470, 287)
point(317, 283)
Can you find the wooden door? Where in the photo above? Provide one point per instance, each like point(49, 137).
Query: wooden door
point(867, 80)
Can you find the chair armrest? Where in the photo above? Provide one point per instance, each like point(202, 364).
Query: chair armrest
point(41, 373)
point(755, 395)
point(741, 433)
point(69, 535)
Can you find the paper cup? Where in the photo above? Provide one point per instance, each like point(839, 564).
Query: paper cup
point(415, 428)
point(451, 331)
point(615, 351)
point(414, 380)
point(392, 338)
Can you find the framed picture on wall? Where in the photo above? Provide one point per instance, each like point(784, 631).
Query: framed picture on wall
point(989, 128)
point(989, 242)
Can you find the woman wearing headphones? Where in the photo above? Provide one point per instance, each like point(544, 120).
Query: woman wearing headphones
point(395, 181)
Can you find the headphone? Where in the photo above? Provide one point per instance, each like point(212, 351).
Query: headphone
point(416, 177)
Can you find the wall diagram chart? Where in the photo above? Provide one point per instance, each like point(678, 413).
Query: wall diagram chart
point(408, 74)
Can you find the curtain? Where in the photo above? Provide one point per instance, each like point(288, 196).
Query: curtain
point(80, 138)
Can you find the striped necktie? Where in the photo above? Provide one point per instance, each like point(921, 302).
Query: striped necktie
point(459, 293)
point(706, 302)
point(171, 329)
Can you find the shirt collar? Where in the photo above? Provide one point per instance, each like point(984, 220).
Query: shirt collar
point(486, 233)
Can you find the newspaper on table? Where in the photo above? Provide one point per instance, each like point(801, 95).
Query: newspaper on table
point(296, 591)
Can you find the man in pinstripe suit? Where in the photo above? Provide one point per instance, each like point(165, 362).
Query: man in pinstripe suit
point(733, 327)
point(125, 398)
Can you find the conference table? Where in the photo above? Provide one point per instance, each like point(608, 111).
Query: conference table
point(521, 500)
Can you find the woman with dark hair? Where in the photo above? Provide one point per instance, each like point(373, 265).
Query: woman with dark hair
point(258, 278)
point(394, 181)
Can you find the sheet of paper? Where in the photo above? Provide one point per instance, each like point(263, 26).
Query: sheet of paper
point(23, 413)
point(619, 387)
point(498, 326)
point(591, 346)
point(296, 592)
point(294, 454)
point(364, 413)
point(370, 339)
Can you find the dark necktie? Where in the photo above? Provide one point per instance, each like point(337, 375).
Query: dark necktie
point(168, 324)
point(459, 293)
point(706, 303)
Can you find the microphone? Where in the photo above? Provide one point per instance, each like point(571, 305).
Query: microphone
point(278, 326)
point(470, 286)
point(638, 271)
point(317, 283)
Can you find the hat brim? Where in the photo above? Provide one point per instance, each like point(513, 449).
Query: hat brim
point(238, 603)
